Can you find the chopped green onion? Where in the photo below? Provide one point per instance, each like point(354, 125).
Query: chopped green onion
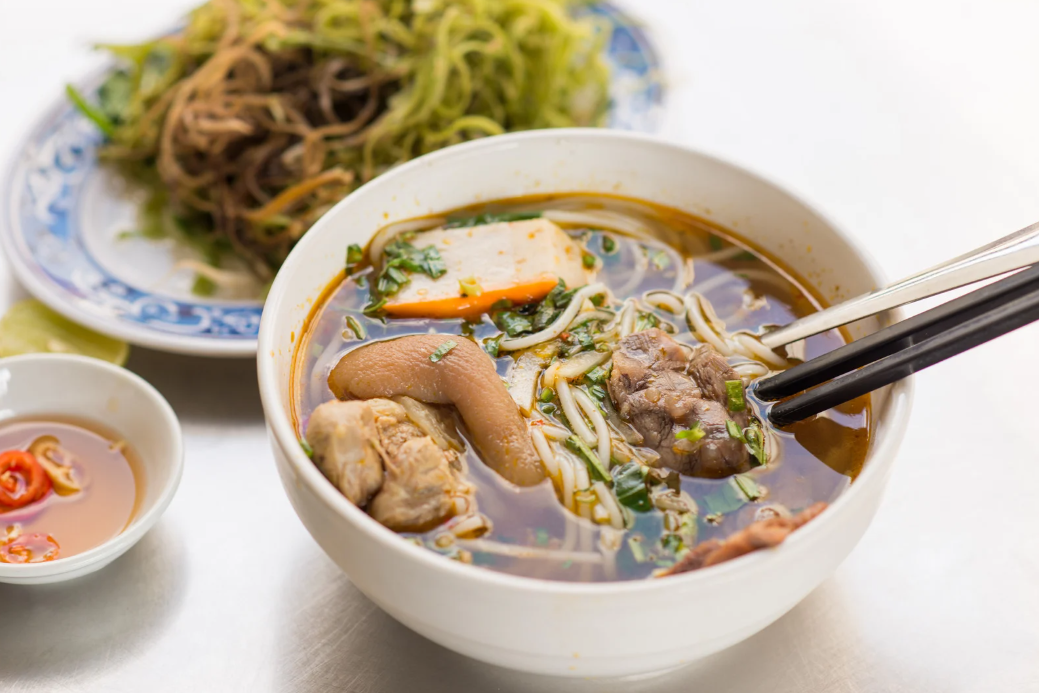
point(547, 395)
point(493, 345)
point(637, 552)
point(512, 323)
point(442, 350)
point(354, 253)
point(597, 392)
point(469, 287)
point(747, 486)
point(755, 438)
point(597, 300)
point(715, 242)
point(307, 450)
point(598, 375)
point(692, 434)
point(374, 308)
point(355, 325)
point(644, 321)
point(734, 431)
point(629, 484)
point(609, 246)
point(734, 389)
point(595, 467)
point(588, 261)
point(490, 218)
point(548, 409)
point(93, 113)
point(672, 543)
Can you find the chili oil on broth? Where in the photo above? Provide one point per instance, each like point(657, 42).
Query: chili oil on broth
point(748, 289)
point(107, 467)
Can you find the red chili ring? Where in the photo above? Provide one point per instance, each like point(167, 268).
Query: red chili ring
point(20, 465)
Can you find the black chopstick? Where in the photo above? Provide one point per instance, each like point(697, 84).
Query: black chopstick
point(896, 337)
point(902, 349)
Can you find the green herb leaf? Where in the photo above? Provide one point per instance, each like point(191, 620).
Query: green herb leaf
point(442, 350)
point(629, 484)
point(548, 409)
point(609, 246)
point(747, 486)
point(588, 260)
point(595, 467)
point(512, 323)
point(692, 434)
point(374, 308)
point(356, 327)
point(734, 431)
point(734, 390)
point(489, 218)
point(354, 254)
point(598, 375)
point(672, 543)
point(92, 113)
point(493, 345)
point(309, 451)
point(755, 438)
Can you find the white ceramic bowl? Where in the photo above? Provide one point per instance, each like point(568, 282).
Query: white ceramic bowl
point(605, 629)
point(39, 385)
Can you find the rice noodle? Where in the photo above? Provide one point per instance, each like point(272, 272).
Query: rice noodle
point(566, 475)
point(559, 325)
point(666, 300)
point(590, 316)
point(751, 370)
point(388, 233)
point(600, 218)
point(544, 451)
point(548, 378)
point(577, 423)
point(697, 322)
point(602, 431)
point(610, 504)
point(469, 525)
point(581, 364)
point(553, 432)
point(515, 551)
point(758, 350)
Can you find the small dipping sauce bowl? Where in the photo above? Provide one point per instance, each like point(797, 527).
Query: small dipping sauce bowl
point(59, 386)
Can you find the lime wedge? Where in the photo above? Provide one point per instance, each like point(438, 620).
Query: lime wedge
point(30, 327)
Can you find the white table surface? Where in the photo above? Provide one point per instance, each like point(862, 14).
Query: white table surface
point(911, 123)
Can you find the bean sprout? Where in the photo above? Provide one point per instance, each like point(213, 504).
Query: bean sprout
point(581, 364)
point(544, 451)
point(666, 300)
point(610, 504)
point(602, 431)
point(577, 423)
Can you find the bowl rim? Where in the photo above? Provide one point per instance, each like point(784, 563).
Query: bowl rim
point(283, 434)
point(115, 545)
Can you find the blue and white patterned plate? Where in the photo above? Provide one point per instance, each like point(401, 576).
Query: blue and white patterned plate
point(66, 219)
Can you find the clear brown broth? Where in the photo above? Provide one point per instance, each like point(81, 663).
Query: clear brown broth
point(819, 460)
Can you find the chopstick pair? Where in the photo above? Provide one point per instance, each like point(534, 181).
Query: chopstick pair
point(903, 348)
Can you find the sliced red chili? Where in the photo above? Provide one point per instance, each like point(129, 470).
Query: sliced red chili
point(30, 548)
point(23, 480)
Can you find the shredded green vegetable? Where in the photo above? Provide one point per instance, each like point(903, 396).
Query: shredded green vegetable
point(258, 115)
point(442, 350)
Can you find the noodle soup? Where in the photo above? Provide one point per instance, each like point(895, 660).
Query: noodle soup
point(621, 339)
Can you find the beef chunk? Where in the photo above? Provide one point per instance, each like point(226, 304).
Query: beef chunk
point(661, 391)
